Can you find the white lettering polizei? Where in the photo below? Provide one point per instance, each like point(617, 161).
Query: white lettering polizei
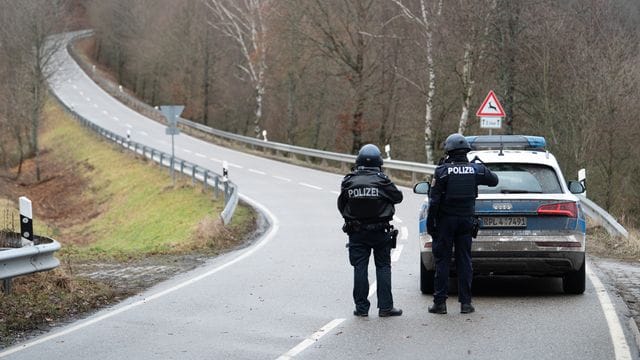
point(461, 170)
point(363, 192)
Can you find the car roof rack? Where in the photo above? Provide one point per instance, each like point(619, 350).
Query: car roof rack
point(507, 142)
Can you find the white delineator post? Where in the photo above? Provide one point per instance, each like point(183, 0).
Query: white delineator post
point(225, 171)
point(26, 221)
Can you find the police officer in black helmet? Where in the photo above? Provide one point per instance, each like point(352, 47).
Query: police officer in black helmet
point(451, 219)
point(366, 202)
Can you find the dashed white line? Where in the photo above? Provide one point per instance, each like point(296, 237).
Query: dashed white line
point(236, 166)
point(281, 178)
point(115, 118)
point(143, 133)
point(372, 289)
point(257, 172)
point(310, 186)
point(216, 160)
point(311, 339)
point(74, 85)
point(129, 126)
point(395, 255)
point(105, 112)
point(187, 151)
point(335, 192)
point(201, 155)
point(95, 106)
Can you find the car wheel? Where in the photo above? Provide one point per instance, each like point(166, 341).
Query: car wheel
point(574, 281)
point(426, 279)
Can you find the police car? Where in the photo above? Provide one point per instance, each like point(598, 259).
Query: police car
point(530, 224)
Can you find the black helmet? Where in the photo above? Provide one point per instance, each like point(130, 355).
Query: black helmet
point(369, 156)
point(456, 143)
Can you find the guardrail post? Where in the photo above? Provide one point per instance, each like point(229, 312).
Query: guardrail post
point(226, 192)
point(193, 174)
point(204, 182)
point(216, 190)
point(6, 286)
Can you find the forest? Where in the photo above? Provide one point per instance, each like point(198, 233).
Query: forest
point(336, 74)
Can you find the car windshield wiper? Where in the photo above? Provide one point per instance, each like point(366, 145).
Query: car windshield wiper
point(518, 191)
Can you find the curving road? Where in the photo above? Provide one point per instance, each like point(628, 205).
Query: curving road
point(288, 295)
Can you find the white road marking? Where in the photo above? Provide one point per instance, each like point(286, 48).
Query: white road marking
point(95, 106)
point(201, 155)
point(105, 112)
point(620, 346)
point(373, 287)
point(311, 339)
point(404, 233)
point(88, 99)
point(236, 166)
point(112, 312)
point(115, 118)
point(397, 219)
point(187, 151)
point(129, 126)
point(281, 178)
point(162, 142)
point(74, 85)
point(257, 172)
point(216, 160)
point(335, 192)
point(310, 186)
point(395, 255)
point(143, 133)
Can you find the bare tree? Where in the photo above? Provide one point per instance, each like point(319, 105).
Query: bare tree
point(424, 19)
point(245, 22)
point(30, 22)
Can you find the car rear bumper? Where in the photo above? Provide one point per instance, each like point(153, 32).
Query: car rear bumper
point(523, 255)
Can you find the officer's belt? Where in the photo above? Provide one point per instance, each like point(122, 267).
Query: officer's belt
point(358, 226)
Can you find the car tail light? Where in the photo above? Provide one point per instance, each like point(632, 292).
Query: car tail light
point(569, 209)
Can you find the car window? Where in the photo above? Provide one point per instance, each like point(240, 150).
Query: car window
point(523, 179)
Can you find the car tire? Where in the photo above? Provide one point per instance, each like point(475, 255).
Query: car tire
point(427, 279)
point(574, 281)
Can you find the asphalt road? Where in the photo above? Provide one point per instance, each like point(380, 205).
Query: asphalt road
point(288, 295)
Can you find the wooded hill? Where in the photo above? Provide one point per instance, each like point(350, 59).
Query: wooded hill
point(335, 74)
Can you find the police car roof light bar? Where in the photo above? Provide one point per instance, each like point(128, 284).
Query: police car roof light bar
point(506, 142)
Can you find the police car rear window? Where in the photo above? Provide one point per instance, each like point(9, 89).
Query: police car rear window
point(523, 179)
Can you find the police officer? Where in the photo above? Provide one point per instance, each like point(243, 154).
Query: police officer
point(366, 202)
point(451, 222)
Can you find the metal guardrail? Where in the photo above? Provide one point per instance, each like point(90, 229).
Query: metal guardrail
point(602, 217)
point(591, 209)
point(27, 259)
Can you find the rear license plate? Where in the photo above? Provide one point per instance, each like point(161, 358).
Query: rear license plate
point(504, 221)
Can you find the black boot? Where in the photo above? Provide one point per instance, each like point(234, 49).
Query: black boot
point(466, 309)
point(440, 308)
point(390, 312)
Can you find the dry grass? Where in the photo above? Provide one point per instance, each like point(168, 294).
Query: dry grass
point(601, 244)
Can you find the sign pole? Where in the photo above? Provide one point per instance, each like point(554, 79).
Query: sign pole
point(171, 112)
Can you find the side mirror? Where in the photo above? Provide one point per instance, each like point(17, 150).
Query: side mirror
point(422, 187)
point(576, 187)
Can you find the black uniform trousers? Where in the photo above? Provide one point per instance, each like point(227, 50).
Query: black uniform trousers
point(360, 245)
point(453, 231)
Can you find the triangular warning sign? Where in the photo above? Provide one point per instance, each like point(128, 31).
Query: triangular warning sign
point(490, 107)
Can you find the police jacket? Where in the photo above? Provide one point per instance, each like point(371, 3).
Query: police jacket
point(455, 186)
point(368, 196)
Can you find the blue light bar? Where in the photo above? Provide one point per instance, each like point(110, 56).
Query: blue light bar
point(507, 142)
